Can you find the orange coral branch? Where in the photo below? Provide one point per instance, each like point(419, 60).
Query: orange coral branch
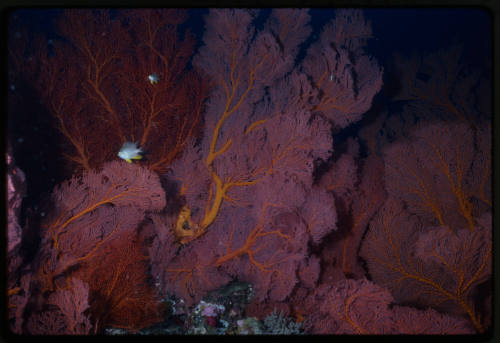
point(247, 247)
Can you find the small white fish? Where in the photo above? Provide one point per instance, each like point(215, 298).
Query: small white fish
point(129, 152)
point(153, 78)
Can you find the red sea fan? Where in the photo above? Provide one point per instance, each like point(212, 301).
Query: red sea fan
point(192, 273)
point(267, 253)
point(359, 307)
point(249, 208)
point(319, 214)
point(91, 234)
point(73, 303)
point(121, 292)
point(50, 322)
point(342, 177)
point(362, 307)
point(93, 209)
point(309, 271)
point(103, 98)
point(418, 266)
point(359, 192)
point(367, 198)
point(410, 321)
point(333, 61)
point(431, 171)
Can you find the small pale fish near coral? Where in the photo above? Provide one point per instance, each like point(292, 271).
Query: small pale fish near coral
point(129, 152)
point(153, 78)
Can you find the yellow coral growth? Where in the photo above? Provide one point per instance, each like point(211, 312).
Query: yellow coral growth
point(184, 225)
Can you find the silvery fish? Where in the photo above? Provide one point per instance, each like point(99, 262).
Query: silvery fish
point(153, 78)
point(129, 152)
